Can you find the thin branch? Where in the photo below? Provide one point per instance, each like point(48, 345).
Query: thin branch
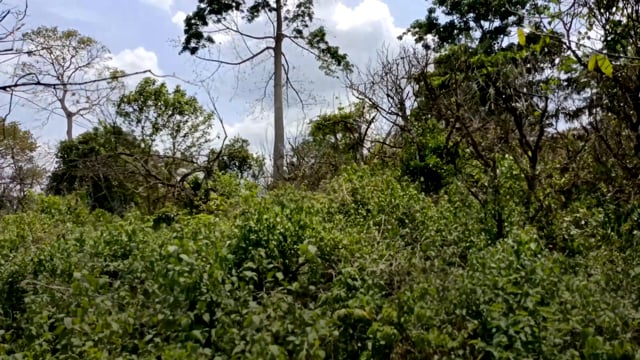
point(52, 287)
point(239, 62)
point(293, 40)
point(79, 83)
point(285, 67)
point(266, 86)
point(243, 34)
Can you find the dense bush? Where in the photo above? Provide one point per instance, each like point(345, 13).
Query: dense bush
point(368, 268)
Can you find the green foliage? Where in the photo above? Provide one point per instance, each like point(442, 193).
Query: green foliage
point(223, 193)
point(489, 230)
point(93, 164)
point(367, 268)
point(236, 158)
point(19, 170)
point(487, 22)
point(429, 159)
point(170, 122)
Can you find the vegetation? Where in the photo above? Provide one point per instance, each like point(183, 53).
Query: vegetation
point(19, 170)
point(477, 201)
point(368, 268)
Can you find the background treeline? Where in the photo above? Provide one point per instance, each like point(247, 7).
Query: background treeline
point(476, 200)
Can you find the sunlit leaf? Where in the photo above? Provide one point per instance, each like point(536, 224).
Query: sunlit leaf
point(592, 63)
point(522, 38)
point(605, 65)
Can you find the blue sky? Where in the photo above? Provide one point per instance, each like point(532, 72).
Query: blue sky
point(142, 33)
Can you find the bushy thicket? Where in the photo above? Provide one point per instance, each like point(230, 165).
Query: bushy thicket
point(367, 268)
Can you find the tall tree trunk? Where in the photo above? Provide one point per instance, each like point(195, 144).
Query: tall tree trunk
point(69, 126)
point(68, 114)
point(278, 141)
point(498, 211)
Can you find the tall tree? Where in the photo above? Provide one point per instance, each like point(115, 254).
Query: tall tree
point(296, 16)
point(63, 59)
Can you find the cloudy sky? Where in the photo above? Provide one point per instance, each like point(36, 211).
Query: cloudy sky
point(142, 34)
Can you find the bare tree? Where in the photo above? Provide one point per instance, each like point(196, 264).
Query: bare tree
point(65, 57)
point(388, 85)
point(86, 84)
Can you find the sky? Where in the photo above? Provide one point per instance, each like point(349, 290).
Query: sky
point(144, 34)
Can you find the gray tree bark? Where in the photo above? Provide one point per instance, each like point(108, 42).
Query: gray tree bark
point(278, 141)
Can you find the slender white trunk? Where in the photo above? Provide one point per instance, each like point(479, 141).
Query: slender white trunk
point(278, 142)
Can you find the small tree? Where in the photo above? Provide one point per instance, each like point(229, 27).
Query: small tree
point(19, 171)
point(236, 158)
point(91, 164)
point(172, 123)
point(334, 140)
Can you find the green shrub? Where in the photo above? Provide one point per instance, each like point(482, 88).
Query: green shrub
point(367, 268)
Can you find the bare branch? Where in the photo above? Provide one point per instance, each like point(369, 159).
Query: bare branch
point(243, 34)
point(285, 67)
point(246, 60)
point(56, 85)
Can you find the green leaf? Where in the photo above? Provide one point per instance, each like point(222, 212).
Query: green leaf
point(312, 249)
point(198, 335)
point(605, 65)
point(522, 38)
point(592, 63)
point(114, 325)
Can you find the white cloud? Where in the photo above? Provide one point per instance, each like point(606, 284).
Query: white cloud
point(162, 4)
point(257, 127)
point(178, 19)
point(365, 15)
point(133, 60)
